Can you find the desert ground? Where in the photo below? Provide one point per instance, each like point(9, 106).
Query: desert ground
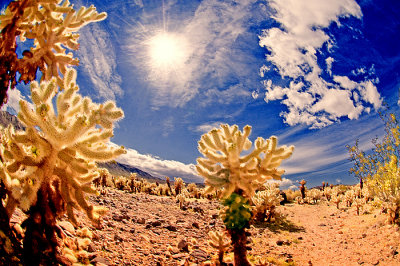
point(142, 229)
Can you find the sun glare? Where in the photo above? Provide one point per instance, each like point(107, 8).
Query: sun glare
point(167, 50)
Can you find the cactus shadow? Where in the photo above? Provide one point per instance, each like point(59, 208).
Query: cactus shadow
point(279, 225)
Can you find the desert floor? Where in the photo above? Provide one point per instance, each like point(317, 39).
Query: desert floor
point(141, 229)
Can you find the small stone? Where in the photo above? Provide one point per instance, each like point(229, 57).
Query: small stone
point(196, 225)
point(100, 261)
point(199, 254)
point(183, 245)
point(132, 230)
point(155, 223)
point(171, 228)
point(118, 238)
point(280, 242)
point(141, 221)
point(364, 235)
point(67, 226)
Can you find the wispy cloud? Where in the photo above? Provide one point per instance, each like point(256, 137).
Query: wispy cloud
point(159, 167)
point(321, 149)
point(97, 57)
point(310, 98)
point(207, 127)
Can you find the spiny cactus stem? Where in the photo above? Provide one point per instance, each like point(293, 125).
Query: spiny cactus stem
point(40, 241)
point(239, 240)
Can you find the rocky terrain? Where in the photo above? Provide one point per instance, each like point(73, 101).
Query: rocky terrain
point(141, 229)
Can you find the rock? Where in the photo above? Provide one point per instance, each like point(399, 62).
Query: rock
point(118, 238)
point(100, 261)
point(214, 216)
point(183, 245)
point(117, 217)
point(178, 256)
point(67, 226)
point(196, 225)
point(141, 221)
point(280, 242)
point(155, 223)
point(200, 255)
point(171, 228)
point(132, 230)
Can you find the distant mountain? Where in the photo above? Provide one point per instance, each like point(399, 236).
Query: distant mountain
point(113, 167)
point(120, 169)
point(6, 118)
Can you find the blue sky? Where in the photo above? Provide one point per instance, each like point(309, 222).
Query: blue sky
point(314, 73)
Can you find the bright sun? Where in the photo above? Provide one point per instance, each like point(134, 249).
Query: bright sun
point(167, 50)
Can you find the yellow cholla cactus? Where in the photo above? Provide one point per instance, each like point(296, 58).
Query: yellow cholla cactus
point(220, 242)
point(59, 147)
point(52, 24)
point(224, 168)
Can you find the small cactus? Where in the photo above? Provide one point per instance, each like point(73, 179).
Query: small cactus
point(220, 242)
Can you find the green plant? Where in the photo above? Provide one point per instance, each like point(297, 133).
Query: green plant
point(238, 176)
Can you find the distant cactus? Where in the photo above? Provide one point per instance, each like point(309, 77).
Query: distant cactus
point(303, 188)
point(178, 185)
point(238, 177)
point(265, 202)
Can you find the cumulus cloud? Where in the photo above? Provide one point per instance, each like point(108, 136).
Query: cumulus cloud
point(159, 167)
point(12, 105)
point(293, 47)
point(97, 57)
point(285, 183)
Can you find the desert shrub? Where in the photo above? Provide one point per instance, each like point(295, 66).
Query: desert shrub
point(379, 169)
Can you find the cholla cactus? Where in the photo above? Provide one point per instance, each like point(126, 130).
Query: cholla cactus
point(266, 201)
point(315, 195)
point(53, 161)
point(120, 182)
point(238, 176)
point(220, 242)
point(178, 185)
point(224, 168)
point(358, 203)
point(303, 188)
point(53, 28)
point(181, 199)
point(349, 197)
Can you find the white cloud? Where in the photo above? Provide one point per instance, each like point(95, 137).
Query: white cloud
point(98, 58)
point(293, 51)
point(285, 183)
point(159, 167)
point(12, 105)
point(205, 128)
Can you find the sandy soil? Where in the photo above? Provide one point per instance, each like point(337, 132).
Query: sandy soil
point(142, 229)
